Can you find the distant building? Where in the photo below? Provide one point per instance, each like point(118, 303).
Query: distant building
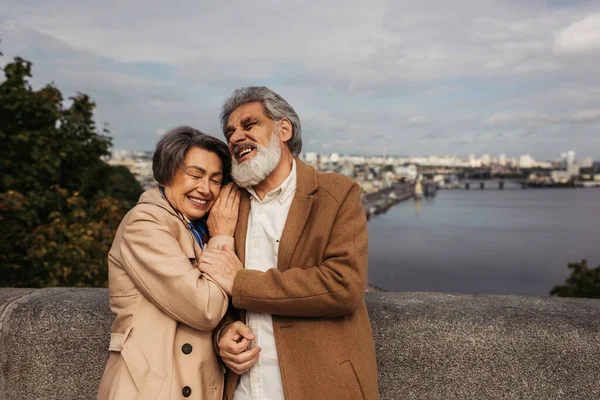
point(570, 158)
point(347, 169)
point(526, 161)
point(573, 170)
point(485, 159)
point(587, 162)
point(560, 176)
point(502, 160)
point(408, 172)
point(310, 157)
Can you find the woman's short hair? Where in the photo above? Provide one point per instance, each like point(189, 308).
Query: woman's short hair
point(275, 108)
point(174, 145)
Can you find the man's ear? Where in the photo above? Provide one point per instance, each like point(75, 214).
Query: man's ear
point(285, 130)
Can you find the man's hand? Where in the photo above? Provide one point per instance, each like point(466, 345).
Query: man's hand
point(222, 265)
point(235, 347)
point(224, 213)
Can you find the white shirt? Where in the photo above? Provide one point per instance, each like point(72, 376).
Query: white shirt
point(265, 225)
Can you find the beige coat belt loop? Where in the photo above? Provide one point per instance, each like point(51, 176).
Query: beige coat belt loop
point(117, 340)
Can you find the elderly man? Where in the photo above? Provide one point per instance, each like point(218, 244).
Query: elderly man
point(300, 328)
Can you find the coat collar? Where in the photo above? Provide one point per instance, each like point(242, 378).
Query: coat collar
point(306, 183)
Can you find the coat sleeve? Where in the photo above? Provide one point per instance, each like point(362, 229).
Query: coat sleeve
point(163, 273)
point(334, 288)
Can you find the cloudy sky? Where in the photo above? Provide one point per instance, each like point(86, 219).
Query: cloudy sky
point(410, 77)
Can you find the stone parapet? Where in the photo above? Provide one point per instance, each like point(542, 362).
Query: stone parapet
point(53, 345)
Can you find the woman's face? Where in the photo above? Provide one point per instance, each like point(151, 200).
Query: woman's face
point(197, 183)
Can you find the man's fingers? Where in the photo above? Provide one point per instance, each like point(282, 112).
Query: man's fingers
point(233, 347)
point(238, 327)
point(243, 330)
point(241, 369)
point(242, 358)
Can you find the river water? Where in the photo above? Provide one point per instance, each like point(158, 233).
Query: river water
point(511, 241)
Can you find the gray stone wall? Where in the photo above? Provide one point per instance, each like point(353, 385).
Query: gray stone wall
point(429, 346)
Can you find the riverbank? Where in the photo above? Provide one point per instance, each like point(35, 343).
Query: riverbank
point(380, 202)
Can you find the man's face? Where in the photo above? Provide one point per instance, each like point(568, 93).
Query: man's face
point(247, 128)
point(254, 145)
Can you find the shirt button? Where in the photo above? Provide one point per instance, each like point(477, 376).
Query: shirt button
point(260, 211)
point(186, 348)
point(255, 381)
point(186, 391)
point(254, 244)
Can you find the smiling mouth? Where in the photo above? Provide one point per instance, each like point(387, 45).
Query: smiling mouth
point(197, 201)
point(243, 150)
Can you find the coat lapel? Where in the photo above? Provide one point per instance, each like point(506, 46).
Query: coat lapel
point(306, 185)
point(242, 227)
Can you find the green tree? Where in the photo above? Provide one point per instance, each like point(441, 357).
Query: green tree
point(60, 204)
point(583, 282)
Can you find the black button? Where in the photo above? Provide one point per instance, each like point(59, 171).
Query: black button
point(186, 391)
point(186, 348)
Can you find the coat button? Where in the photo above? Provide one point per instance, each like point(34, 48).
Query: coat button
point(186, 391)
point(186, 348)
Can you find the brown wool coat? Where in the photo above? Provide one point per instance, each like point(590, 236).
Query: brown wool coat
point(165, 310)
point(316, 294)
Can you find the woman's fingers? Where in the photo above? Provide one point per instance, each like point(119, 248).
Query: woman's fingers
point(231, 194)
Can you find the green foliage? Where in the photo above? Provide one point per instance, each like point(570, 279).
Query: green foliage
point(60, 204)
point(583, 282)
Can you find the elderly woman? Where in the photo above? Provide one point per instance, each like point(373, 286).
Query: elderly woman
point(160, 342)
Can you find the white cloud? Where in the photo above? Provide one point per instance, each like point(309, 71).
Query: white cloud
point(586, 116)
point(416, 120)
point(500, 119)
point(367, 75)
point(581, 37)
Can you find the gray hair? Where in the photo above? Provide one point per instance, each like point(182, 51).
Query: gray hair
point(174, 145)
point(275, 108)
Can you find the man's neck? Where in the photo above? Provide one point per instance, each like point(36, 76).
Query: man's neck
point(275, 178)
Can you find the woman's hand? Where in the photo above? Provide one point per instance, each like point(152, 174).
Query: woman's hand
point(222, 265)
point(224, 213)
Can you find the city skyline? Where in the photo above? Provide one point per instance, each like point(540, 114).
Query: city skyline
point(412, 78)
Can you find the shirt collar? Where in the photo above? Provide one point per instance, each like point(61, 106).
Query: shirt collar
point(283, 191)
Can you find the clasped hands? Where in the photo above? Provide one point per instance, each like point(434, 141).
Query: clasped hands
point(235, 347)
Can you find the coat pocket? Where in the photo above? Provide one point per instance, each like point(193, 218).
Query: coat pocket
point(351, 382)
point(147, 383)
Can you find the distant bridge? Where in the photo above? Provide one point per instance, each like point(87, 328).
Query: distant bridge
point(494, 182)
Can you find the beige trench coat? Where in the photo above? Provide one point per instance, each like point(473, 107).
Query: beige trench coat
point(160, 342)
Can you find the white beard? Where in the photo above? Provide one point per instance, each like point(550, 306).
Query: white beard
point(250, 173)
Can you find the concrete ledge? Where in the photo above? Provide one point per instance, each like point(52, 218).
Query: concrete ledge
point(429, 346)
